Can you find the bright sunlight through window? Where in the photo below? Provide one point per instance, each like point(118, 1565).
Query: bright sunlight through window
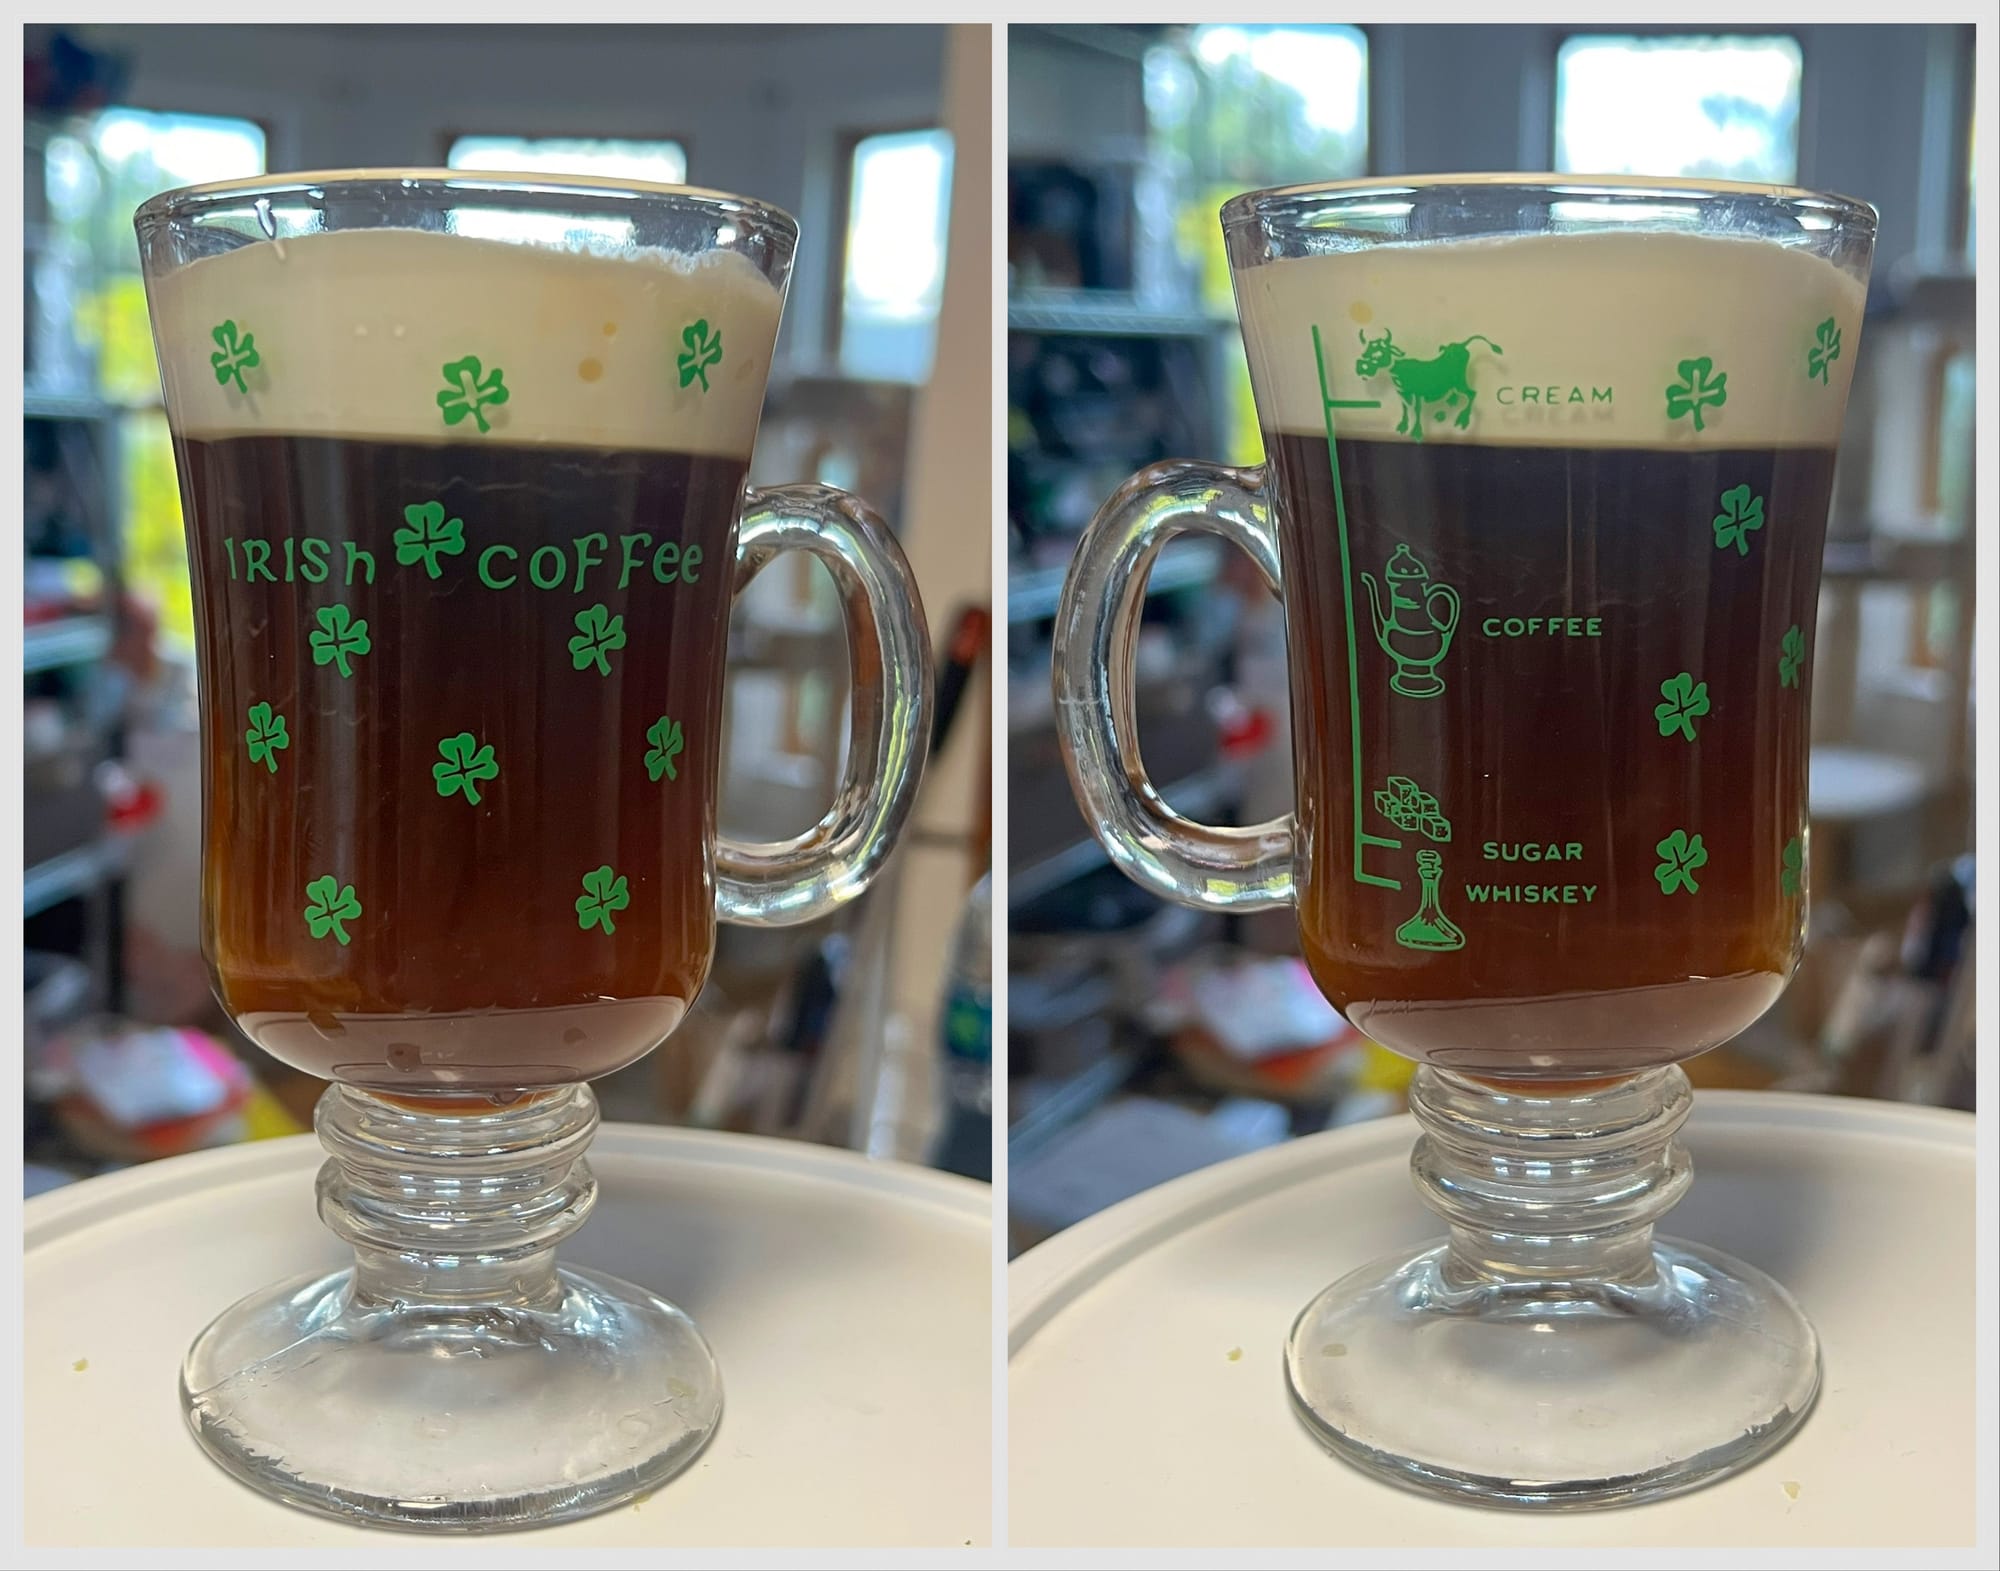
point(662, 163)
point(1721, 108)
point(899, 203)
point(1262, 105)
point(96, 176)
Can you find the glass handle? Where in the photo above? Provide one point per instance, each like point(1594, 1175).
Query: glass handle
point(1096, 640)
point(780, 883)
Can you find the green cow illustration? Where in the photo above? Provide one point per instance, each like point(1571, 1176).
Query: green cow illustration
point(1438, 380)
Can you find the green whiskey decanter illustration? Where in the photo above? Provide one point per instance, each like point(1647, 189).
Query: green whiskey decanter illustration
point(1430, 928)
point(1415, 627)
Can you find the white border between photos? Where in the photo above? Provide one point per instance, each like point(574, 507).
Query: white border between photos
point(503, 1552)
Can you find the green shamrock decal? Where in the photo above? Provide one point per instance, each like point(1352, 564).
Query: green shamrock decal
point(329, 906)
point(1697, 390)
point(1686, 702)
point(427, 535)
point(598, 633)
point(603, 893)
point(665, 735)
point(1792, 866)
point(266, 736)
point(465, 764)
point(466, 394)
point(233, 356)
point(341, 637)
point(1791, 656)
point(1742, 512)
point(1825, 350)
point(1680, 855)
point(703, 350)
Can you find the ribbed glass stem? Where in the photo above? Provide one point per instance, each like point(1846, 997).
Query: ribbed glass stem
point(1544, 1187)
point(454, 1201)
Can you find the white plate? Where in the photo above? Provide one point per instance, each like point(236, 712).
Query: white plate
point(848, 1302)
point(1130, 1423)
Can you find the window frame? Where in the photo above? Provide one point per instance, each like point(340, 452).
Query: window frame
point(1802, 174)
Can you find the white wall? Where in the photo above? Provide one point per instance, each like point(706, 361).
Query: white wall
point(765, 111)
point(952, 518)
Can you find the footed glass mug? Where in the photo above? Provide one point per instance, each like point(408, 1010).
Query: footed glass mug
point(462, 460)
point(1547, 482)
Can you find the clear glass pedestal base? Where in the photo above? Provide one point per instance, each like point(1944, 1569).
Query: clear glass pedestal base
point(1553, 1355)
point(455, 1379)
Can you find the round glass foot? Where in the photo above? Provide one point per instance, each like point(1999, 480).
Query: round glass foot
point(1554, 1394)
point(442, 1416)
point(1554, 1353)
point(455, 1379)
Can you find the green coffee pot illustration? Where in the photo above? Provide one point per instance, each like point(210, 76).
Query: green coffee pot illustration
point(1415, 628)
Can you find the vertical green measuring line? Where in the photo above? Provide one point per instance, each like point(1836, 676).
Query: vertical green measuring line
point(1361, 837)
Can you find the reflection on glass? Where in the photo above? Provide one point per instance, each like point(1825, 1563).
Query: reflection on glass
point(659, 163)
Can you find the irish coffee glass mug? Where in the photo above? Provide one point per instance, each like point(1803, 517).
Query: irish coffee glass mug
point(463, 460)
point(1547, 472)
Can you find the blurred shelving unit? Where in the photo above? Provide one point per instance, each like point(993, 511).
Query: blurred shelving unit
point(72, 532)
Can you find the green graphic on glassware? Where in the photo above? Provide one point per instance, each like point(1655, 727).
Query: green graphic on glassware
point(266, 736)
point(599, 635)
point(465, 764)
point(1791, 656)
point(1825, 350)
point(1430, 928)
point(1701, 387)
point(330, 906)
point(1414, 624)
point(1441, 379)
point(1686, 702)
point(234, 355)
point(1681, 856)
point(704, 349)
point(1411, 808)
point(667, 738)
point(1792, 866)
point(604, 892)
point(469, 389)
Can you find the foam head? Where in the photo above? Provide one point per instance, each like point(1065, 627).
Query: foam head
point(399, 335)
point(1556, 340)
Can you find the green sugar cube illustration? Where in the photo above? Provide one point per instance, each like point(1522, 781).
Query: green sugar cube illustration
point(1410, 807)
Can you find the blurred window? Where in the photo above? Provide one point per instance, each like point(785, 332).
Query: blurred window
point(1246, 106)
point(1232, 108)
point(663, 163)
point(1710, 107)
point(892, 281)
point(97, 172)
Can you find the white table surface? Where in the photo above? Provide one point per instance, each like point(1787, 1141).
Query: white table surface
point(1129, 1422)
point(848, 1303)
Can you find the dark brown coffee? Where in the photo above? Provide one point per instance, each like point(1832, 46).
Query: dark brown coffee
point(1549, 712)
point(465, 704)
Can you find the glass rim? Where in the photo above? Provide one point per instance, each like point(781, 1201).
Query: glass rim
point(1295, 202)
point(597, 192)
